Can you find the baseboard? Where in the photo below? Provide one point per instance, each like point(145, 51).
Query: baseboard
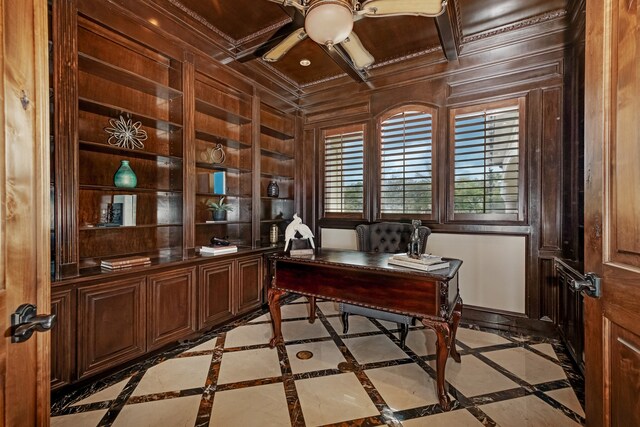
point(507, 321)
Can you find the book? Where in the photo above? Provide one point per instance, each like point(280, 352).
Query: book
point(212, 182)
point(129, 205)
point(219, 182)
point(298, 252)
point(122, 267)
point(417, 266)
point(116, 213)
point(218, 250)
point(425, 259)
point(126, 261)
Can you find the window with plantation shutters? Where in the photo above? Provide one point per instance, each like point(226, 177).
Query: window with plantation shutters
point(344, 171)
point(487, 161)
point(406, 137)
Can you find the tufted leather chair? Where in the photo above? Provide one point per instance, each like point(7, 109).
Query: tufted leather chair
point(387, 237)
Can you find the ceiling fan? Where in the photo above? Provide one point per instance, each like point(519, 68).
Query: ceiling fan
point(330, 24)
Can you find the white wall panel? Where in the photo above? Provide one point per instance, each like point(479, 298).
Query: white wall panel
point(493, 269)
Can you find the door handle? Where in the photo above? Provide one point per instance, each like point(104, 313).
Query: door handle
point(591, 285)
point(25, 321)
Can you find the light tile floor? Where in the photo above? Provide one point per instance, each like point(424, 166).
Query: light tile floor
point(231, 378)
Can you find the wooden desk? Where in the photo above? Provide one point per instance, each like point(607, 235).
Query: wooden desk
point(366, 279)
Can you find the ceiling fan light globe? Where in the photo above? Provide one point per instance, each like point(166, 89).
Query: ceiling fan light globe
point(329, 22)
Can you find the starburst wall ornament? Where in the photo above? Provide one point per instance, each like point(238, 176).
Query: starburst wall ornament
point(126, 134)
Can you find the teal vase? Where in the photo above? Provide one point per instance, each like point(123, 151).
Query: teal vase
point(124, 177)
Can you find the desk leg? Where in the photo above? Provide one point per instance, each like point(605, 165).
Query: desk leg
point(455, 321)
point(312, 309)
point(442, 352)
point(273, 296)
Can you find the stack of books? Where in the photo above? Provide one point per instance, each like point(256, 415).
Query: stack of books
point(127, 262)
point(301, 252)
point(218, 250)
point(424, 263)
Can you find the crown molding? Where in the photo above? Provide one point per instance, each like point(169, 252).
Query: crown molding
point(201, 20)
point(534, 20)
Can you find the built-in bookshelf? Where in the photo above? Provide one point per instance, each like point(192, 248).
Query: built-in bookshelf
point(277, 164)
point(223, 129)
point(120, 78)
point(208, 136)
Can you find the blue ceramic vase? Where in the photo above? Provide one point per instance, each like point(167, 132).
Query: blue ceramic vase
point(124, 177)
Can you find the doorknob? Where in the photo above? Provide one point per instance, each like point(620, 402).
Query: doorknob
point(590, 285)
point(25, 321)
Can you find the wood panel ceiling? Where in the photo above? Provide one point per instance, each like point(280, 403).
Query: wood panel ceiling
point(246, 24)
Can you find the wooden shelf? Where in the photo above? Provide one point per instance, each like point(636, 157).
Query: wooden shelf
point(223, 222)
point(270, 175)
point(220, 113)
point(110, 149)
point(124, 77)
point(228, 196)
point(267, 221)
point(221, 168)
point(284, 199)
point(215, 139)
point(129, 227)
point(113, 112)
point(274, 133)
point(276, 154)
point(109, 188)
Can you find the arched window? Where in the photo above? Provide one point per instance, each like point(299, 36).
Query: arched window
point(405, 174)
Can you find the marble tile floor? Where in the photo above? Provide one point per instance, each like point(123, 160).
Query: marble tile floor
point(231, 378)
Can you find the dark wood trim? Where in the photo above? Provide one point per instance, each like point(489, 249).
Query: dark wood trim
point(189, 157)
point(507, 321)
point(65, 131)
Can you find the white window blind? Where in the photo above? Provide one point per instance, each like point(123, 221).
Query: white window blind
point(405, 163)
point(344, 170)
point(487, 161)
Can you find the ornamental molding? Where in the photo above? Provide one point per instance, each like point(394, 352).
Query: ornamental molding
point(534, 20)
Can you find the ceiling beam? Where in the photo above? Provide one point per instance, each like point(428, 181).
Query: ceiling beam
point(446, 36)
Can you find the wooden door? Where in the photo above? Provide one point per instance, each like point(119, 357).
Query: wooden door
point(215, 293)
point(171, 307)
point(249, 284)
point(111, 325)
point(612, 212)
point(24, 208)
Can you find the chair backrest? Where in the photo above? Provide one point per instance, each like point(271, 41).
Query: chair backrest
point(390, 237)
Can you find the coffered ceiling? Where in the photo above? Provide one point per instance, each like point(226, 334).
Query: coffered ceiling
point(244, 25)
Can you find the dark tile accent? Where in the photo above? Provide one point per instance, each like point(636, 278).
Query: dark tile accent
point(61, 404)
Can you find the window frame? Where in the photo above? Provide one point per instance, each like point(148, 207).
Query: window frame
point(343, 128)
point(379, 215)
point(494, 218)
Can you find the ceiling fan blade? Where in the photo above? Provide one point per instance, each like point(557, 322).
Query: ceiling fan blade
point(430, 8)
point(360, 56)
point(285, 46)
point(340, 57)
point(297, 22)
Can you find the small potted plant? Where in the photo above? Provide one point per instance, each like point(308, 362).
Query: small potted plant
point(219, 209)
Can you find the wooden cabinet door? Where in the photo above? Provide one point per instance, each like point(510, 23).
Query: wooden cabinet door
point(62, 339)
point(111, 325)
point(215, 285)
point(249, 283)
point(612, 212)
point(171, 306)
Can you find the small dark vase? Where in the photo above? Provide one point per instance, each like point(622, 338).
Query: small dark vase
point(219, 215)
point(272, 189)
